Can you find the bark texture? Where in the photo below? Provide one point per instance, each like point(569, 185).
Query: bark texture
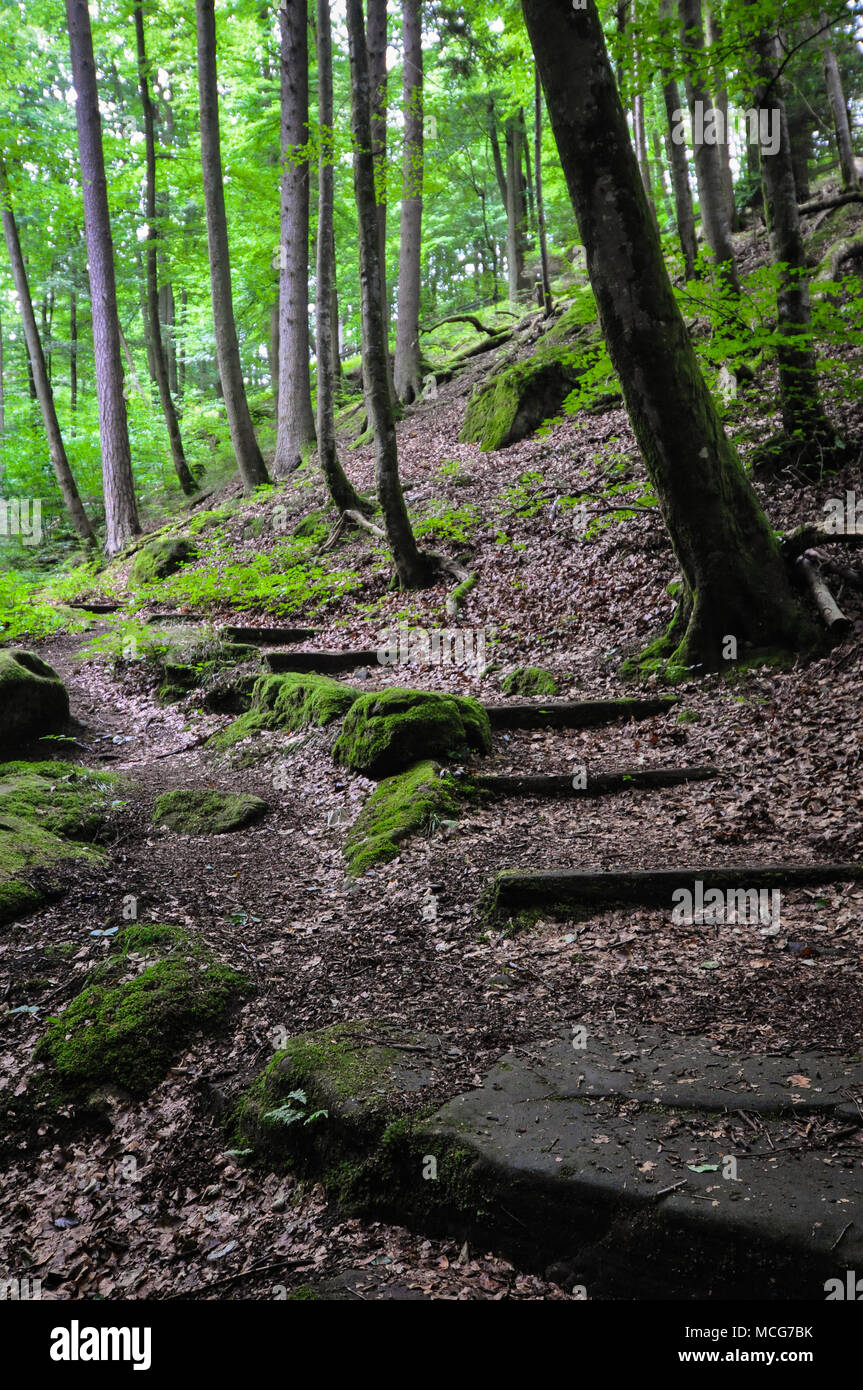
point(708, 163)
point(838, 110)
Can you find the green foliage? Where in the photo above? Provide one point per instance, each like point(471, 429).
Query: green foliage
point(529, 680)
point(445, 523)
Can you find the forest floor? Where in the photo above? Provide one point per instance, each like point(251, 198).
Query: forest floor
point(274, 902)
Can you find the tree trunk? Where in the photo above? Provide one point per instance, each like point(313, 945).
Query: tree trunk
point(735, 582)
point(708, 165)
point(56, 447)
point(515, 209)
point(339, 486)
point(376, 45)
point(73, 350)
point(121, 513)
point(838, 110)
point(273, 348)
point(408, 377)
point(296, 424)
point(249, 459)
point(714, 39)
point(800, 126)
point(160, 365)
point(168, 327)
point(2, 386)
point(677, 160)
point(540, 199)
point(181, 347)
point(803, 416)
point(411, 568)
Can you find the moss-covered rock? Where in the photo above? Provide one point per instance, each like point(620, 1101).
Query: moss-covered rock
point(126, 1032)
point(193, 812)
point(33, 699)
point(291, 701)
point(386, 731)
point(328, 1096)
point(206, 662)
point(161, 558)
point(401, 806)
point(51, 813)
point(529, 680)
point(514, 402)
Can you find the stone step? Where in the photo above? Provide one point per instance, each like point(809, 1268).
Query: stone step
point(516, 890)
point(598, 784)
point(320, 661)
point(95, 607)
point(261, 636)
point(575, 714)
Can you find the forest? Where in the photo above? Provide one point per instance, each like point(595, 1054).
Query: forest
point(430, 619)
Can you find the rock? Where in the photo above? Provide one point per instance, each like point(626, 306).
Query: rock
point(388, 730)
point(193, 812)
point(401, 806)
point(514, 402)
point(161, 558)
point(529, 680)
point(33, 699)
point(122, 1033)
point(48, 810)
point(290, 701)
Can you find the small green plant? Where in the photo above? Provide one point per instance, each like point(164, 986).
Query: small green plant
point(288, 1114)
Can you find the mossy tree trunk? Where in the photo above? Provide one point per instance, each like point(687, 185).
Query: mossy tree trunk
point(411, 567)
point(677, 156)
point(735, 581)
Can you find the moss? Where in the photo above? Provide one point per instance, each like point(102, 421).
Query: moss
point(290, 702)
point(127, 1032)
point(513, 403)
point(160, 559)
point(45, 806)
point(33, 699)
point(193, 812)
point(386, 731)
point(529, 680)
point(401, 806)
point(344, 1070)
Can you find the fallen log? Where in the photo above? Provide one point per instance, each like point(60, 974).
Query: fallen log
point(827, 204)
point(602, 784)
point(808, 536)
point(578, 714)
point(834, 619)
point(594, 890)
point(462, 318)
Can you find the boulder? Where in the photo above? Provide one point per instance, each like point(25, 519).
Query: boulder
point(193, 812)
point(516, 401)
point(161, 558)
point(33, 699)
point(388, 730)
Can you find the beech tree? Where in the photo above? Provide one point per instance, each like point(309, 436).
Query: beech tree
point(339, 486)
point(249, 458)
point(712, 195)
point(121, 512)
point(810, 439)
point(838, 108)
point(296, 425)
point(679, 164)
point(56, 447)
point(412, 568)
point(407, 373)
point(734, 578)
point(159, 365)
